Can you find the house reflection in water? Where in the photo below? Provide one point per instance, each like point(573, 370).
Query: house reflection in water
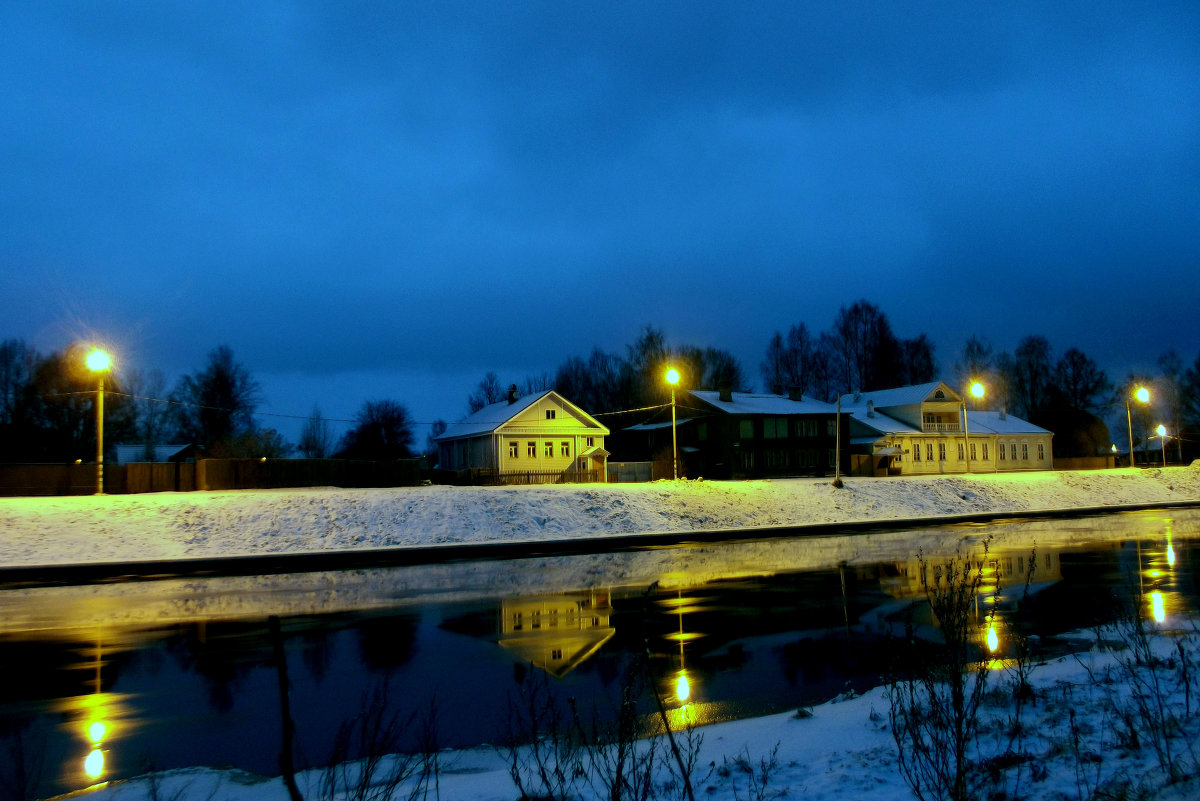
point(556, 632)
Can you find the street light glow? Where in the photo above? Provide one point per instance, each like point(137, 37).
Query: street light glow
point(98, 361)
point(672, 376)
point(1142, 394)
point(977, 390)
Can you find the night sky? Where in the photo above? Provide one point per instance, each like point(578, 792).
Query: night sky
point(386, 200)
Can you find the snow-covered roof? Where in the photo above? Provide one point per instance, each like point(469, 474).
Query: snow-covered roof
point(880, 422)
point(899, 396)
point(137, 452)
point(751, 403)
point(995, 423)
point(491, 417)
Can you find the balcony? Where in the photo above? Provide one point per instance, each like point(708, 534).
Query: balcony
point(941, 428)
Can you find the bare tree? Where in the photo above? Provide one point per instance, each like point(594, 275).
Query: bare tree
point(382, 432)
point(217, 403)
point(487, 392)
point(1080, 380)
point(316, 438)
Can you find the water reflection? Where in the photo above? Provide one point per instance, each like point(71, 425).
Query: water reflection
point(106, 680)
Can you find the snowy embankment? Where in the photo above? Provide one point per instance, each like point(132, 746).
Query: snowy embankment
point(67, 530)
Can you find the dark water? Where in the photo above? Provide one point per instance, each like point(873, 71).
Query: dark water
point(181, 672)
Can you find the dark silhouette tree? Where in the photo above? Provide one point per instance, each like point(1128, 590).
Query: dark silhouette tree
point(869, 355)
point(316, 438)
point(1029, 377)
point(918, 362)
point(216, 404)
point(431, 445)
point(487, 392)
point(1080, 381)
point(382, 432)
point(790, 361)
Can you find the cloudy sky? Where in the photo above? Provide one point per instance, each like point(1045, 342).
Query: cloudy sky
point(387, 199)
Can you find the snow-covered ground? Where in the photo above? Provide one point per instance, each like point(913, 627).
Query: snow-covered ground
point(119, 528)
point(843, 751)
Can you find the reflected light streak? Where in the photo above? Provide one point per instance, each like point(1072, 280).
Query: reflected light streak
point(93, 765)
point(96, 731)
point(993, 640)
point(1170, 555)
point(682, 689)
point(1156, 607)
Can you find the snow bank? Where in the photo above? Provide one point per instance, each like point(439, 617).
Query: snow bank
point(39, 531)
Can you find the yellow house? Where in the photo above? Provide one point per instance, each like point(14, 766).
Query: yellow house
point(540, 438)
point(928, 429)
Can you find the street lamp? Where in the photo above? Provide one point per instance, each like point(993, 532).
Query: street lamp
point(976, 391)
point(1162, 440)
point(673, 379)
point(1143, 395)
point(99, 363)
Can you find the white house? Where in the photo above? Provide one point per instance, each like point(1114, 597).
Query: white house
point(539, 438)
point(919, 430)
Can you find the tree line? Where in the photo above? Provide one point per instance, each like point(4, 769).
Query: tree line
point(47, 400)
point(47, 412)
point(1069, 394)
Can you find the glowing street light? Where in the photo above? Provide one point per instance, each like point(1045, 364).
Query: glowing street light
point(1143, 395)
point(99, 363)
point(672, 377)
point(976, 391)
point(1162, 440)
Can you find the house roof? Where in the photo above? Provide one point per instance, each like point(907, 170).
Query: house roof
point(899, 396)
point(751, 403)
point(978, 422)
point(136, 452)
point(492, 417)
point(994, 423)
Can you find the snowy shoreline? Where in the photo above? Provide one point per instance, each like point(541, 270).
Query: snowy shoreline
point(180, 526)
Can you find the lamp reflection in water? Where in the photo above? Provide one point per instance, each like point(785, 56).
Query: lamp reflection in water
point(681, 685)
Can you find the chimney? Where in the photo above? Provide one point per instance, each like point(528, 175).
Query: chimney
point(870, 408)
point(512, 393)
point(1003, 416)
point(725, 393)
point(795, 394)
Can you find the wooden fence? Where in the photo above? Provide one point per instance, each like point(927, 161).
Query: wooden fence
point(205, 474)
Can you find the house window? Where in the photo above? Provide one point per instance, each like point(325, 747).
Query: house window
point(941, 451)
point(775, 427)
point(1000, 451)
point(549, 450)
point(550, 413)
point(929, 451)
point(1041, 452)
point(916, 451)
point(831, 427)
point(746, 429)
point(973, 456)
point(961, 452)
point(808, 428)
point(1012, 449)
point(985, 451)
point(512, 449)
point(531, 449)
point(939, 395)
point(565, 448)
point(555, 654)
point(590, 441)
point(1025, 451)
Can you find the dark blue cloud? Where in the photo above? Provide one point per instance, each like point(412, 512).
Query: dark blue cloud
point(403, 187)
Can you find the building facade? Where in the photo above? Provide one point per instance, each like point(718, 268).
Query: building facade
point(726, 435)
point(920, 430)
point(540, 438)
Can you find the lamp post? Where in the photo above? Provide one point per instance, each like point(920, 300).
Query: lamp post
point(99, 362)
point(1162, 441)
point(1143, 395)
point(976, 390)
point(673, 379)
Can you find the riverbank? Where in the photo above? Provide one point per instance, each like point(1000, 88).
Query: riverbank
point(181, 526)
